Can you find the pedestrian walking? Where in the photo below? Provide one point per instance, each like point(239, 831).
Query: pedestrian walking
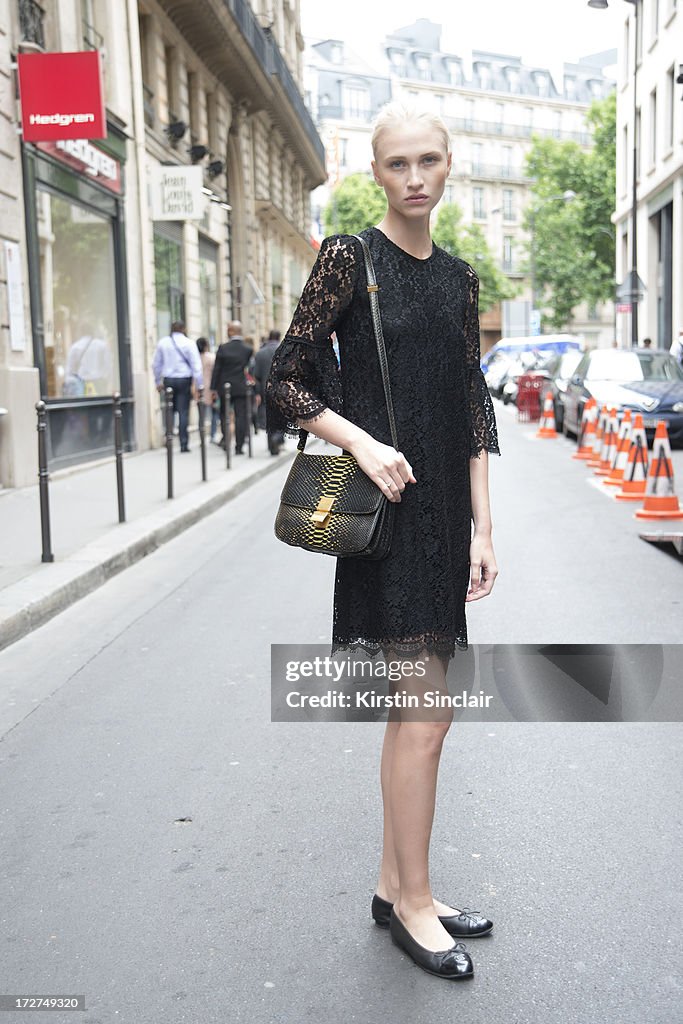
point(261, 368)
point(410, 605)
point(176, 364)
point(209, 397)
point(230, 366)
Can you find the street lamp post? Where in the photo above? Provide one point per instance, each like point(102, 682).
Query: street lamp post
point(634, 283)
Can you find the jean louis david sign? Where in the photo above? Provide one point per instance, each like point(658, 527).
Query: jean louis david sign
point(177, 193)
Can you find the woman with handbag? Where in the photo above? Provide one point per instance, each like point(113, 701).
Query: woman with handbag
point(408, 370)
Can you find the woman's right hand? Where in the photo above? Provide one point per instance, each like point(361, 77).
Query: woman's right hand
point(386, 467)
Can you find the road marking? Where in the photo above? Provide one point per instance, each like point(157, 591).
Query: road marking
point(596, 482)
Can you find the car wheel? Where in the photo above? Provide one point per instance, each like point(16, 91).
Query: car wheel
point(559, 418)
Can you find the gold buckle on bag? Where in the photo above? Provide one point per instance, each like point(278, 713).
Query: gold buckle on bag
point(322, 513)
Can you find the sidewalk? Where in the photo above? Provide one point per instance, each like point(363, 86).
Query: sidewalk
point(88, 542)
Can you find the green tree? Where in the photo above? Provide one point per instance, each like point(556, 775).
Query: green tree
point(356, 203)
point(468, 242)
point(573, 242)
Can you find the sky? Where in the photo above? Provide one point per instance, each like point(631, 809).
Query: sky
point(542, 32)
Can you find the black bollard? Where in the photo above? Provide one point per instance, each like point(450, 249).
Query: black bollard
point(201, 412)
point(43, 478)
point(169, 440)
point(226, 423)
point(250, 413)
point(118, 451)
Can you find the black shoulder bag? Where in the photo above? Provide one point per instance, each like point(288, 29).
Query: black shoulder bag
point(328, 504)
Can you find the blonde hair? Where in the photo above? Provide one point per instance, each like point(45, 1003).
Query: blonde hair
point(396, 113)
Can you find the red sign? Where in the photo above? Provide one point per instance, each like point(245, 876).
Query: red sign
point(85, 158)
point(623, 307)
point(61, 96)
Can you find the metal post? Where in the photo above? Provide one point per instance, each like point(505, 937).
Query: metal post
point(169, 439)
point(118, 452)
point(250, 411)
point(634, 196)
point(532, 224)
point(43, 477)
point(226, 423)
point(201, 409)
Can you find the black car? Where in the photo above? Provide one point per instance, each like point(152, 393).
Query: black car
point(648, 381)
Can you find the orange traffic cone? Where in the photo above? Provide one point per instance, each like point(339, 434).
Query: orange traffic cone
point(587, 430)
point(547, 427)
point(660, 498)
point(635, 474)
point(624, 444)
point(594, 459)
point(609, 444)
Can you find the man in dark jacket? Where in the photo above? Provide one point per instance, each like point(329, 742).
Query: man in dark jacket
point(231, 361)
point(262, 361)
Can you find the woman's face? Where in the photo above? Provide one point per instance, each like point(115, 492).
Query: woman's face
point(412, 166)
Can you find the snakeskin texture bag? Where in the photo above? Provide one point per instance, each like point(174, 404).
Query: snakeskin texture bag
point(328, 504)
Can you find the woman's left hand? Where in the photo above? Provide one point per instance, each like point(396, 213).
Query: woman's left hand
point(483, 568)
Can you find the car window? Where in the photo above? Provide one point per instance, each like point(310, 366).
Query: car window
point(568, 363)
point(628, 365)
point(582, 368)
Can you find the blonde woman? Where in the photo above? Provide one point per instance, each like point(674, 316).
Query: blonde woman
point(411, 605)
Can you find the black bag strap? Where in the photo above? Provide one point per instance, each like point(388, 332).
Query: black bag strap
point(373, 288)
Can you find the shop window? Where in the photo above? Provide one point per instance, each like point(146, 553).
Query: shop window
point(169, 281)
point(208, 291)
point(78, 276)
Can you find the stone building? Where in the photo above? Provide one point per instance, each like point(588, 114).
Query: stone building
point(492, 103)
point(214, 84)
point(659, 172)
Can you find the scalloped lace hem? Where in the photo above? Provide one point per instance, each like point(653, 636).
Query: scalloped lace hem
point(442, 646)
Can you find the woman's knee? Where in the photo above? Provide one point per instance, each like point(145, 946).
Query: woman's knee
point(427, 737)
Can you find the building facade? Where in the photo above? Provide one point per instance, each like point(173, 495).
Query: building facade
point(99, 273)
point(655, 55)
point(493, 104)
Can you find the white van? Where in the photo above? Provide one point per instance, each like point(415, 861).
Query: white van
point(541, 342)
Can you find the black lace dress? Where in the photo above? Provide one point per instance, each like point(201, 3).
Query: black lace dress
point(413, 600)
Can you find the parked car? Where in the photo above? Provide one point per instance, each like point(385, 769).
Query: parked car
point(535, 363)
point(559, 372)
point(648, 381)
point(496, 372)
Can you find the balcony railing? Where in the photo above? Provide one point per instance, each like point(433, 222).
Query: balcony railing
point(31, 17)
point(338, 113)
point(148, 105)
point(515, 131)
point(267, 52)
point(92, 39)
point(495, 171)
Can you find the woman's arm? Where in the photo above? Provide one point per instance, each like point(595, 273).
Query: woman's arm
point(483, 439)
point(303, 389)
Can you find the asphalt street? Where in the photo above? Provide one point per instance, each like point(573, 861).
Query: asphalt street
point(173, 855)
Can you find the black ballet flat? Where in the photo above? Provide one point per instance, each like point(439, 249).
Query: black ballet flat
point(466, 924)
point(454, 963)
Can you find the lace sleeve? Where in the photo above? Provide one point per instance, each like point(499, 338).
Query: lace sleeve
point(304, 378)
point(481, 415)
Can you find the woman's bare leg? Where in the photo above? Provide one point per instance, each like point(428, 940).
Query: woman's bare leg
point(410, 763)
